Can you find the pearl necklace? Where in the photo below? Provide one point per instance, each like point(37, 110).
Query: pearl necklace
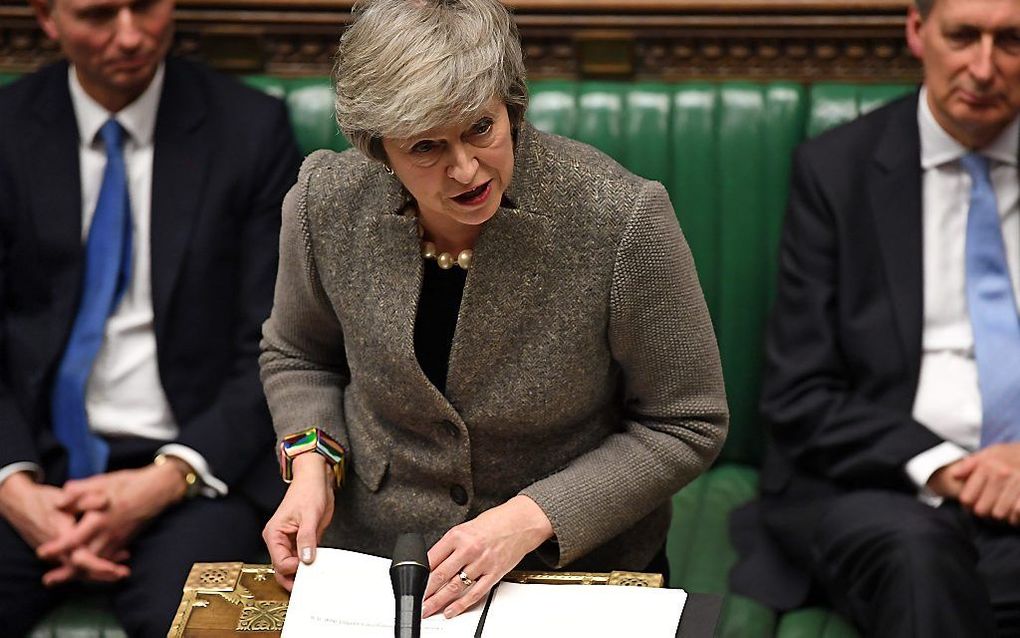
point(446, 260)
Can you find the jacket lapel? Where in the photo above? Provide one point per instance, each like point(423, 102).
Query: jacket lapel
point(55, 191)
point(398, 258)
point(182, 154)
point(510, 255)
point(895, 194)
point(396, 277)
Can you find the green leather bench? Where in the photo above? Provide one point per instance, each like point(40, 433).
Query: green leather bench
point(722, 150)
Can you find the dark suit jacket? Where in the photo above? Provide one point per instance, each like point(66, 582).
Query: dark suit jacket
point(224, 158)
point(844, 342)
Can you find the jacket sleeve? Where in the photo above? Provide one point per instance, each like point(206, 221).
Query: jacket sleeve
point(674, 405)
point(303, 362)
point(812, 395)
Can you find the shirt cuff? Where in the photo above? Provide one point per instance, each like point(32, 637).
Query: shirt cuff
point(21, 466)
point(211, 486)
point(921, 467)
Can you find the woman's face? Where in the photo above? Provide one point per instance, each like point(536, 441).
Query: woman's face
point(457, 174)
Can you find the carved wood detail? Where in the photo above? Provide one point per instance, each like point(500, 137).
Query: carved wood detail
point(858, 40)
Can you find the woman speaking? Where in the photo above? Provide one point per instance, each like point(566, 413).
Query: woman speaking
point(483, 333)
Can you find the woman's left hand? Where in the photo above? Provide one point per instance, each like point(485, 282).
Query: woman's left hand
point(484, 550)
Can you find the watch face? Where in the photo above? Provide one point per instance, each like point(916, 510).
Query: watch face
point(192, 483)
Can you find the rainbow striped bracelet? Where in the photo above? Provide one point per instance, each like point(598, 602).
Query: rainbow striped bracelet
point(312, 440)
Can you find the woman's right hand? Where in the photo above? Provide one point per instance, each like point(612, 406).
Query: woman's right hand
point(296, 527)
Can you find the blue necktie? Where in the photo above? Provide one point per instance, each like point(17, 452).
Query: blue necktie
point(107, 272)
point(993, 311)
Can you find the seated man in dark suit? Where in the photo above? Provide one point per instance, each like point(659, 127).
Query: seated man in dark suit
point(139, 217)
point(893, 377)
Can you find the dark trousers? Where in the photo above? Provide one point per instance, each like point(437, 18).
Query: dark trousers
point(197, 530)
point(898, 567)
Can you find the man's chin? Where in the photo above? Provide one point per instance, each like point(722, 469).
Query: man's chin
point(132, 79)
point(984, 123)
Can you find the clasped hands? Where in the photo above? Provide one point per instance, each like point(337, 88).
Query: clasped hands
point(484, 549)
point(987, 482)
point(84, 527)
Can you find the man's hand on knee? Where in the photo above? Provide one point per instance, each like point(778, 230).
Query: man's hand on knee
point(991, 482)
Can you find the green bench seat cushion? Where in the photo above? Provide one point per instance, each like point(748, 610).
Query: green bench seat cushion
point(85, 616)
point(814, 622)
point(699, 548)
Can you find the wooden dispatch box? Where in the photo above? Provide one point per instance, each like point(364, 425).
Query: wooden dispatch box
point(232, 599)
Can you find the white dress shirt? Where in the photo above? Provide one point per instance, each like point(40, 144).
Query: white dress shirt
point(948, 401)
point(124, 395)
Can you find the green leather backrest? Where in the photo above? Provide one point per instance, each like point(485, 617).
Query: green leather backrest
point(833, 103)
point(723, 152)
point(310, 101)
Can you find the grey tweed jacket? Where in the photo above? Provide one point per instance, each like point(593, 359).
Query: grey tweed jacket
point(584, 371)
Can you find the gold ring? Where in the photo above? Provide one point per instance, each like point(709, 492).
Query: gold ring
point(464, 578)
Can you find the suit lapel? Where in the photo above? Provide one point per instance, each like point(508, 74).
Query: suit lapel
point(896, 202)
point(182, 152)
point(55, 184)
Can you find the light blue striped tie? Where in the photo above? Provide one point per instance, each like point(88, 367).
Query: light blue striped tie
point(107, 272)
point(992, 309)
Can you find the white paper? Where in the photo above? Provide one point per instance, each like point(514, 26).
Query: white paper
point(349, 594)
point(583, 610)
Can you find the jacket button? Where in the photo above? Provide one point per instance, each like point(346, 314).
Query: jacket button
point(450, 428)
point(459, 495)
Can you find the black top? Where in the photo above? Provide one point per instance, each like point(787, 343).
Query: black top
point(438, 306)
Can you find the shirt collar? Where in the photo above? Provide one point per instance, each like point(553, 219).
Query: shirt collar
point(137, 118)
point(938, 147)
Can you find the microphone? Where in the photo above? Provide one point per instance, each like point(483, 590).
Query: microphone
point(409, 573)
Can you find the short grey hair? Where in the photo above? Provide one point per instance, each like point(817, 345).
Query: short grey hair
point(408, 66)
point(924, 7)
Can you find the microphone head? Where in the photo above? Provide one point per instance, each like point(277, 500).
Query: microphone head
point(409, 574)
point(410, 549)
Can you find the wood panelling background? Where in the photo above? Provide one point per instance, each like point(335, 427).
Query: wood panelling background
point(859, 40)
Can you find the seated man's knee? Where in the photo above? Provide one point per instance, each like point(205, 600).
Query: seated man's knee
point(891, 533)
